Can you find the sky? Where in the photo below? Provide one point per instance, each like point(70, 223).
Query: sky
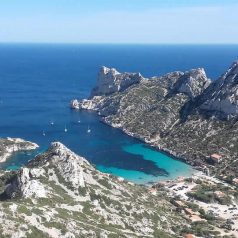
point(119, 21)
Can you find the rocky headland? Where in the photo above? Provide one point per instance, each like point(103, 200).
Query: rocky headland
point(8, 146)
point(182, 113)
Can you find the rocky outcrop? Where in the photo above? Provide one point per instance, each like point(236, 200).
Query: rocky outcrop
point(27, 185)
point(68, 166)
point(192, 83)
point(111, 81)
point(221, 98)
point(86, 104)
point(11, 145)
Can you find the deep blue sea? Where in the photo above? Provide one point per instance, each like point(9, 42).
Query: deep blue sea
point(37, 83)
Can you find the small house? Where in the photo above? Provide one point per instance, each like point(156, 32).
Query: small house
point(216, 158)
point(189, 236)
point(196, 218)
point(179, 203)
point(188, 211)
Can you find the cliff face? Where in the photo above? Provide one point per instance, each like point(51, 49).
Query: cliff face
point(221, 97)
point(59, 194)
point(178, 113)
point(192, 83)
point(111, 81)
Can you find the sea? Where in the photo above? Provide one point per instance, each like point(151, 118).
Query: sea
point(37, 82)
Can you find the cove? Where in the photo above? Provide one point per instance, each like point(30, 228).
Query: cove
point(108, 148)
point(38, 82)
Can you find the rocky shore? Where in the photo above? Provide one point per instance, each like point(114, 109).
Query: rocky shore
point(8, 146)
point(182, 113)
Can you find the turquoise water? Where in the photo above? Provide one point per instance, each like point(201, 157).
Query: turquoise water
point(173, 167)
point(37, 83)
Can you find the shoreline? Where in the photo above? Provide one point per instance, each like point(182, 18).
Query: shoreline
point(173, 113)
point(164, 151)
point(9, 146)
point(147, 143)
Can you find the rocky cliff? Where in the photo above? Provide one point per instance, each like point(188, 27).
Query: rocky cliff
point(59, 194)
point(221, 97)
point(178, 113)
point(192, 83)
point(111, 81)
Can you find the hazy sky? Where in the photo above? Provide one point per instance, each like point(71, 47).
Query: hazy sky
point(119, 21)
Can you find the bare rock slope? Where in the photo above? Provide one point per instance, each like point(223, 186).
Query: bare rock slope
point(111, 81)
point(222, 95)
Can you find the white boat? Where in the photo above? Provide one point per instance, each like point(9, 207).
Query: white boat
point(79, 121)
point(89, 130)
point(43, 133)
point(52, 123)
point(65, 129)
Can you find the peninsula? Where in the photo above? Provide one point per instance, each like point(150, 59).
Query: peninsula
point(182, 113)
point(8, 146)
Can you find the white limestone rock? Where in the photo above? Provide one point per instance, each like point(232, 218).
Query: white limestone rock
point(68, 164)
point(192, 83)
point(26, 187)
point(74, 104)
point(87, 104)
point(222, 95)
point(110, 81)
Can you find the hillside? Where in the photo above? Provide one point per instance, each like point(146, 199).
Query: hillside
point(59, 194)
point(178, 113)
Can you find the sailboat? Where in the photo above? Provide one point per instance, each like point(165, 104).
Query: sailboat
point(65, 129)
point(43, 133)
point(52, 123)
point(89, 130)
point(79, 121)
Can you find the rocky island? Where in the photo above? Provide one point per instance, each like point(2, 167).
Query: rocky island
point(8, 146)
point(182, 113)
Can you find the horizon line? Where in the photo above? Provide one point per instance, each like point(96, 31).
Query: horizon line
point(114, 43)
